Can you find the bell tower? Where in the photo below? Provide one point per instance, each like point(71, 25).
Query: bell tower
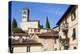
point(25, 14)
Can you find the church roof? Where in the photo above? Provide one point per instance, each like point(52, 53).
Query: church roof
point(25, 8)
point(49, 34)
point(33, 20)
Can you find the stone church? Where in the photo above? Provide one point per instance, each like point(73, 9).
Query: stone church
point(26, 24)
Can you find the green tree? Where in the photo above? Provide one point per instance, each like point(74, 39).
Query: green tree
point(18, 30)
point(47, 23)
point(15, 28)
point(14, 24)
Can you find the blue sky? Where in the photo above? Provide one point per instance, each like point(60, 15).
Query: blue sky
point(39, 11)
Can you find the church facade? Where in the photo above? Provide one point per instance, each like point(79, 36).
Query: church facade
point(26, 24)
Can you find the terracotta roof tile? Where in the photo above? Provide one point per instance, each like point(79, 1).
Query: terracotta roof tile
point(20, 34)
point(24, 43)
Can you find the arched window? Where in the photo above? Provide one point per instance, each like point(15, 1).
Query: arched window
point(73, 15)
point(24, 12)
